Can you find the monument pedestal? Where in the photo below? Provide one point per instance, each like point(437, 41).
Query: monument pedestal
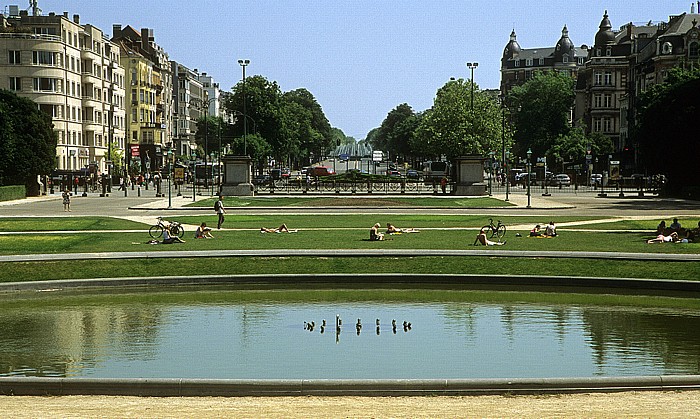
point(238, 173)
point(469, 176)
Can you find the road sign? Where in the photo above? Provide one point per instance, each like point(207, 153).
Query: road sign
point(344, 157)
point(377, 156)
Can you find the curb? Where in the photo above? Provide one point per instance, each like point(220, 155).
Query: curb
point(179, 387)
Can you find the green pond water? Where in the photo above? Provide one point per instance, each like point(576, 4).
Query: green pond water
point(261, 334)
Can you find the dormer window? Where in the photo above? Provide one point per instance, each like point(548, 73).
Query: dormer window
point(693, 49)
point(528, 62)
point(608, 51)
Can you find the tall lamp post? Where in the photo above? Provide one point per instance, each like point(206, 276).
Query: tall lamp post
point(491, 154)
point(170, 178)
point(193, 147)
point(244, 64)
point(472, 66)
point(529, 166)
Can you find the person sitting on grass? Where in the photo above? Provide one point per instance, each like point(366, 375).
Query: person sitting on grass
point(481, 238)
point(203, 232)
point(550, 230)
point(392, 229)
point(374, 234)
point(281, 229)
point(168, 239)
point(535, 232)
point(671, 238)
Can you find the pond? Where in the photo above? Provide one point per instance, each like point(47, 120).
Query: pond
point(264, 334)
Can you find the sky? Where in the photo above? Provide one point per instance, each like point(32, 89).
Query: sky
point(359, 58)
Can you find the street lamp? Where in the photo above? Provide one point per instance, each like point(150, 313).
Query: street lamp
point(472, 66)
point(170, 176)
point(193, 147)
point(529, 165)
point(244, 64)
point(491, 154)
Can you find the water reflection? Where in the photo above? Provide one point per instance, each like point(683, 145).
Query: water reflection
point(227, 335)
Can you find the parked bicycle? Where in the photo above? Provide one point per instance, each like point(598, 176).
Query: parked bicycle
point(498, 230)
point(174, 228)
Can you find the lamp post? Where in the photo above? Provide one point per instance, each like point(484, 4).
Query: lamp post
point(507, 174)
point(491, 154)
point(244, 64)
point(472, 66)
point(529, 165)
point(546, 181)
point(170, 178)
point(193, 147)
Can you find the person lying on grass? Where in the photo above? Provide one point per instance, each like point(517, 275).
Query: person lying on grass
point(481, 238)
point(281, 229)
point(671, 238)
point(392, 229)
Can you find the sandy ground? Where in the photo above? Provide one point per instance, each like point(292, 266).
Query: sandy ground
point(611, 405)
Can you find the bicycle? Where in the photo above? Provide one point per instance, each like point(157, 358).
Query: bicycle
point(174, 228)
point(491, 229)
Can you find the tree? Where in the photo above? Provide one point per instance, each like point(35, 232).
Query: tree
point(541, 109)
point(397, 130)
point(451, 127)
point(666, 123)
point(27, 142)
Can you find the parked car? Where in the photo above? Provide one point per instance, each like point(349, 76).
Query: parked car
point(596, 179)
point(392, 172)
point(412, 174)
point(316, 171)
point(261, 179)
point(522, 178)
point(561, 180)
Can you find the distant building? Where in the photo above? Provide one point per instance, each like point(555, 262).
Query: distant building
point(72, 72)
point(518, 65)
point(149, 104)
point(622, 65)
point(190, 105)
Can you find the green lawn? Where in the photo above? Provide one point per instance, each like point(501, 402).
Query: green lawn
point(335, 232)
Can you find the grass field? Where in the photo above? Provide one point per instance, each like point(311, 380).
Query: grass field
point(58, 235)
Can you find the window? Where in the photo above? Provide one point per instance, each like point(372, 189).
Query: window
point(608, 51)
point(693, 49)
point(607, 101)
point(50, 110)
point(43, 84)
point(608, 78)
point(528, 62)
point(134, 116)
point(565, 59)
point(541, 61)
point(15, 57)
point(580, 61)
point(15, 84)
point(597, 78)
point(517, 63)
point(607, 125)
point(597, 101)
point(43, 58)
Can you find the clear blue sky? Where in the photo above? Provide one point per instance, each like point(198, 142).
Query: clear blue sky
point(360, 58)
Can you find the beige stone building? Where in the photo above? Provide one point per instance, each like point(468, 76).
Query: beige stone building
point(73, 73)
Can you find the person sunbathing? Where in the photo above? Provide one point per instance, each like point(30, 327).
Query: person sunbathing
point(374, 234)
point(481, 238)
point(392, 229)
point(281, 229)
point(671, 238)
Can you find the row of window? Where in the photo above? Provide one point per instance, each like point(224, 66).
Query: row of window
point(603, 125)
point(48, 84)
point(603, 78)
point(603, 100)
point(52, 59)
point(78, 138)
point(529, 62)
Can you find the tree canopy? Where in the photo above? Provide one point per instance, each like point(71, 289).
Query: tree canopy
point(541, 110)
point(666, 131)
point(27, 142)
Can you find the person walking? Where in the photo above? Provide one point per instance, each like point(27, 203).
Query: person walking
point(220, 211)
point(66, 200)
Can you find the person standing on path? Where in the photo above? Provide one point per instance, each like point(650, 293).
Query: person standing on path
point(220, 210)
point(66, 200)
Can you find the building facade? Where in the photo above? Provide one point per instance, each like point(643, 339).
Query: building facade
point(518, 65)
point(149, 104)
point(72, 72)
point(622, 65)
point(190, 105)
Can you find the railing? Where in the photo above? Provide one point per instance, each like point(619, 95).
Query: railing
point(389, 186)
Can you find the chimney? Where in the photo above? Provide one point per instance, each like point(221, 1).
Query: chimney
point(65, 14)
point(144, 40)
point(76, 19)
point(116, 31)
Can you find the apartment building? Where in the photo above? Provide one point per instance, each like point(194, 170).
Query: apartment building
point(518, 65)
point(190, 104)
point(149, 107)
point(622, 65)
point(72, 72)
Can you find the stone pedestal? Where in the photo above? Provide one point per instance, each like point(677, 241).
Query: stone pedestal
point(238, 173)
point(468, 175)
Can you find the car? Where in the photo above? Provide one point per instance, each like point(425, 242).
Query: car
point(522, 178)
point(276, 174)
point(596, 179)
point(392, 172)
point(316, 171)
point(412, 174)
point(561, 179)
